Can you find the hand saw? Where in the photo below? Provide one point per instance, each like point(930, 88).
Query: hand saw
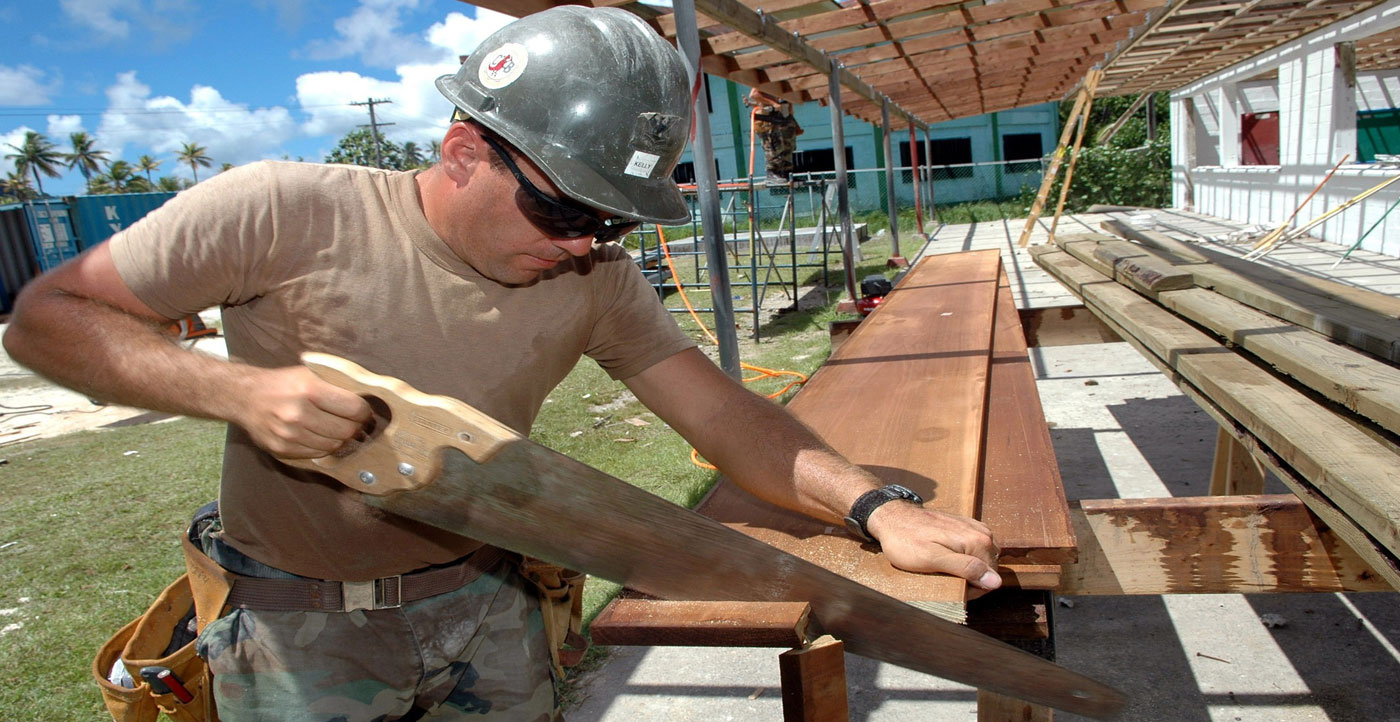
point(441, 462)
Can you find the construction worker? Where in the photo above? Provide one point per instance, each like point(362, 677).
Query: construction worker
point(777, 130)
point(485, 278)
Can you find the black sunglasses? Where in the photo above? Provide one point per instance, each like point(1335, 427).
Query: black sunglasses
point(558, 217)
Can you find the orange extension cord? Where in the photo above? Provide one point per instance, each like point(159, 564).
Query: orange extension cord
point(760, 373)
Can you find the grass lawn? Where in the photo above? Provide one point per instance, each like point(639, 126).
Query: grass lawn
point(90, 522)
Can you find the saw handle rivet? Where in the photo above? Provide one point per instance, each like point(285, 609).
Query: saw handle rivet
point(406, 469)
point(367, 478)
point(464, 436)
point(1079, 694)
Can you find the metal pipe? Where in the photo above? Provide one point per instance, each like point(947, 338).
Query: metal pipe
point(843, 198)
point(703, 153)
point(889, 179)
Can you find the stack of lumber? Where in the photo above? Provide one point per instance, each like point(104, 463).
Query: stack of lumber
point(1301, 371)
point(935, 391)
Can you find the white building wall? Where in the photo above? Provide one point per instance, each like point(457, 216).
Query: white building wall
point(1317, 126)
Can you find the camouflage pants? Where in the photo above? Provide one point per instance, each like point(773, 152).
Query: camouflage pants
point(476, 653)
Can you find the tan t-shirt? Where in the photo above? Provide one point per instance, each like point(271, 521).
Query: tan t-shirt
point(341, 259)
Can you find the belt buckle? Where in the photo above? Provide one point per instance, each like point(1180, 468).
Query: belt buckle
point(370, 595)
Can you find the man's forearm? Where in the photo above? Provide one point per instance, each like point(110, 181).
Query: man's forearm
point(112, 355)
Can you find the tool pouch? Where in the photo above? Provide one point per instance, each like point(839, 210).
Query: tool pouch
point(146, 642)
point(561, 602)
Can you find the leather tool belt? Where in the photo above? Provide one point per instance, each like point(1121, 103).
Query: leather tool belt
point(314, 595)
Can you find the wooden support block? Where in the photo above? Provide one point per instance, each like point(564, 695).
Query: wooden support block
point(1030, 576)
point(657, 622)
point(1210, 545)
point(814, 682)
point(1234, 471)
point(1012, 615)
point(993, 707)
point(1063, 326)
point(841, 330)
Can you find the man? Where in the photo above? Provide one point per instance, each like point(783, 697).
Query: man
point(775, 126)
point(479, 279)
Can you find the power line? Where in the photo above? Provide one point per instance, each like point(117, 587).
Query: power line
point(374, 127)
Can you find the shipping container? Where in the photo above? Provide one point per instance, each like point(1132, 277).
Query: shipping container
point(51, 229)
point(19, 261)
point(97, 218)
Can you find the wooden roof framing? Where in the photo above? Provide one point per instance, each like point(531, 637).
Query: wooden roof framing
point(942, 59)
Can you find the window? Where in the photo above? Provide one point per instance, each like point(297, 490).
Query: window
point(1259, 138)
point(823, 160)
point(1021, 146)
point(1377, 131)
point(684, 172)
point(946, 152)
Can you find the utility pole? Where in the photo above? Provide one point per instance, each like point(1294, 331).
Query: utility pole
point(374, 127)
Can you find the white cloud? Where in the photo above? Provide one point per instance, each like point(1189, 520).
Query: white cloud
point(372, 33)
point(24, 85)
point(100, 16)
point(418, 111)
point(459, 34)
point(61, 126)
point(159, 22)
point(231, 132)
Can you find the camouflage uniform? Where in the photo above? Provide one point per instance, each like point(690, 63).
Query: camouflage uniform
point(476, 653)
point(778, 131)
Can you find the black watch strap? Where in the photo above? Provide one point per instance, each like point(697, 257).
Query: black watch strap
point(872, 500)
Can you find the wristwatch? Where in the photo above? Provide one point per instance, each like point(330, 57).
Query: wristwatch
point(872, 500)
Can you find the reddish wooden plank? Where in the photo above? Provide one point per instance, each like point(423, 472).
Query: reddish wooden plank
point(1023, 497)
point(658, 622)
point(904, 397)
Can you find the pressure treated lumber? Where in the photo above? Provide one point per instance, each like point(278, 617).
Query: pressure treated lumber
point(1234, 470)
point(661, 622)
point(1126, 263)
point(1023, 497)
point(1348, 468)
point(1353, 379)
point(1364, 319)
point(905, 397)
point(1210, 545)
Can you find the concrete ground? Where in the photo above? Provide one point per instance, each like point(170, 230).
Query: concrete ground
point(1120, 429)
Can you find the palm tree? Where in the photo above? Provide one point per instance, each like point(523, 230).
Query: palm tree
point(412, 155)
point(196, 156)
point(87, 159)
point(16, 185)
point(36, 155)
point(435, 151)
point(119, 178)
point(169, 183)
point(148, 164)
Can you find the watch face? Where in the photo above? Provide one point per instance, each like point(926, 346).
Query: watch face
point(899, 492)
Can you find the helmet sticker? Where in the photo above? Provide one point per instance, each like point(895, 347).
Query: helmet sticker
point(502, 67)
point(641, 164)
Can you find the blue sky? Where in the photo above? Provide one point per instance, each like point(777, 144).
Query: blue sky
point(247, 80)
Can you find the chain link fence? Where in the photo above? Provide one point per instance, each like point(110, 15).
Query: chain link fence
point(783, 241)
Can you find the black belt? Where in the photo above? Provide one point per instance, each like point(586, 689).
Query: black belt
point(315, 595)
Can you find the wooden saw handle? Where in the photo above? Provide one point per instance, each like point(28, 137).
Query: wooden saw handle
point(405, 454)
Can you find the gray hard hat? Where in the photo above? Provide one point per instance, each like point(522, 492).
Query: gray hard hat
point(595, 97)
